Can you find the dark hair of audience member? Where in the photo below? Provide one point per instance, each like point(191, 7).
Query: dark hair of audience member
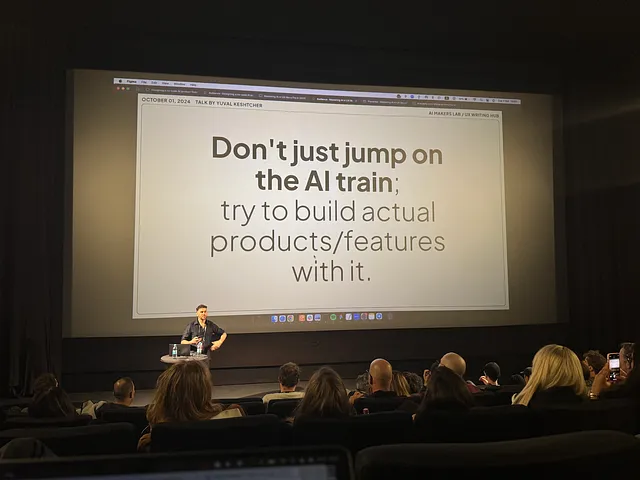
point(324, 397)
point(595, 360)
point(51, 403)
point(399, 384)
point(289, 375)
point(446, 391)
point(183, 394)
point(43, 383)
point(516, 379)
point(492, 371)
point(585, 371)
point(627, 350)
point(362, 383)
point(414, 381)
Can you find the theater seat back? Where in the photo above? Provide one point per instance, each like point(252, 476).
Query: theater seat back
point(575, 455)
point(105, 439)
point(619, 415)
point(250, 405)
point(136, 416)
point(355, 433)
point(16, 422)
point(480, 424)
point(224, 434)
point(283, 408)
point(377, 405)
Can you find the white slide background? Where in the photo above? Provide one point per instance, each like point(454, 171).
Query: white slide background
point(180, 189)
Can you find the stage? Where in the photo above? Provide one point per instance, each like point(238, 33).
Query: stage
point(144, 397)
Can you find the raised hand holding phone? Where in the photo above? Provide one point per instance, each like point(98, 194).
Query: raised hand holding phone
point(613, 361)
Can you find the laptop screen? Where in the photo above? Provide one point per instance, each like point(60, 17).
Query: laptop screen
point(311, 463)
point(292, 472)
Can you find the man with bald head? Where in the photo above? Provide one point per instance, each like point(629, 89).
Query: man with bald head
point(124, 391)
point(456, 363)
point(380, 377)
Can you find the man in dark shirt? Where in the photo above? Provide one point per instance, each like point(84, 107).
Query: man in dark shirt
point(201, 329)
point(124, 391)
point(380, 377)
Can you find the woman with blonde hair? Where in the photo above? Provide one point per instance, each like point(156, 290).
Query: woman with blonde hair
point(324, 397)
point(183, 394)
point(556, 379)
point(399, 384)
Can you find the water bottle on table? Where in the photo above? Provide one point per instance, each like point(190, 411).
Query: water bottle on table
point(199, 348)
point(174, 351)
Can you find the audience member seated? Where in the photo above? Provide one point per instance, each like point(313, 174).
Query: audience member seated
point(362, 384)
point(556, 379)
point(380, 380)
point(627, 357)
point(491, 374)
point(594, 361)
point(51, 402)
point(427, 374)
point(516, 380)
point(447, 391)
point(526, 374)
point(399, 384)
point(414, 381)
point(627, 385)
point(183, 394)
point(585, 374)
point(41, 384)
point(124, 392)
point(325, 397)
point(288, 379)
point(456, 363)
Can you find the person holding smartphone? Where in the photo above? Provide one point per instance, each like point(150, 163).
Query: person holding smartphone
point(615, 372)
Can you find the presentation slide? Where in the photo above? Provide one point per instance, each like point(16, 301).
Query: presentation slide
point(291, 207)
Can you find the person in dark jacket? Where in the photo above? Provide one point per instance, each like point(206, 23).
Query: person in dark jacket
point(447, 391)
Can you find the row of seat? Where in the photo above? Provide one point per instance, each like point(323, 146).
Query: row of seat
point(591, 454)
point(282, 408)
point(481, 424)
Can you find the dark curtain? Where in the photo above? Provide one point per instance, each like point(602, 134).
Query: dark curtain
point(32, 173)
point(604, 267)
point(603, 206)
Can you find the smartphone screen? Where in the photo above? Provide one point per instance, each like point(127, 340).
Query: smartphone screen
point(614, 363)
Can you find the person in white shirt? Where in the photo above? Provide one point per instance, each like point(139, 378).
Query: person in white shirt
point(288, 379)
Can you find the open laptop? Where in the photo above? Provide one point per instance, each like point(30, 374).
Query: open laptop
point(183, 350)
point(312, 463)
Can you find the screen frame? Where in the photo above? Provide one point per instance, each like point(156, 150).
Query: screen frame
point(558, 164)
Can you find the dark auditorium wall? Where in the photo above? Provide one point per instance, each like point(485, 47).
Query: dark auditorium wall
point(602, 122)
point(599, 190)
